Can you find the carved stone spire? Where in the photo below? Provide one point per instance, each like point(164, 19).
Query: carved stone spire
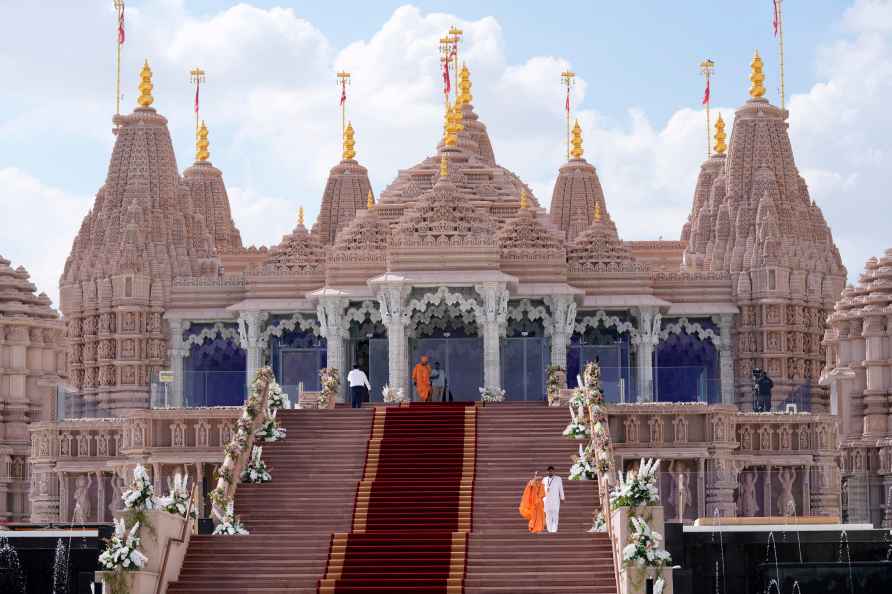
point(577, 191)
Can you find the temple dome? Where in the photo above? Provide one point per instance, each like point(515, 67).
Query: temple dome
point(360, 250)
point(298, 252)
point(599, 249)
point(17, 295)
point(530, 250)
point(577, 190)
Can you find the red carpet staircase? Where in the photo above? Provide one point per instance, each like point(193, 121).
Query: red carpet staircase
point(413, 505)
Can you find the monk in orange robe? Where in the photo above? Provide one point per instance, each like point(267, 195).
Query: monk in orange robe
point(421, 377)
point(532, 506)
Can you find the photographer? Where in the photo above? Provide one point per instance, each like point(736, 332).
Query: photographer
point(762, 386)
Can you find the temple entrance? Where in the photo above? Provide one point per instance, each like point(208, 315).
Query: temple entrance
point(214, 372)
point(297, 355)
point(462, 357)
point(524, 361)
point(610, 349)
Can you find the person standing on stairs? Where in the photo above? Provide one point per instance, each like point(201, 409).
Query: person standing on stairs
point(439, 384)
point(421, 377)
point(554, 494)
point(531, 504)
point(359, 384)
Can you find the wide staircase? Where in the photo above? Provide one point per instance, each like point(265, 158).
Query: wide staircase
point(418, 499)
point(291, 519)
point(413, 505)
point(513, 441)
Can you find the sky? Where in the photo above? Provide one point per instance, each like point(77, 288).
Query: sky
point(271, 102)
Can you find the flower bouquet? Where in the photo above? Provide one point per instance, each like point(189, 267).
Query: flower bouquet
point(644, 551)
point(276, 398)
point(229, 523)
point(393, 395)
point(141, 495)
point(636, 488)
point(600, 523)
point(491, 394)
point(177, 501)
point(330, 379)
point(270, 431)
point(121, 551)
point(582, 469)
point(556, 378)
point(256, 471)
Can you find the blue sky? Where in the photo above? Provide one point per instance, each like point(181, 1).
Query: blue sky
point(271, 101)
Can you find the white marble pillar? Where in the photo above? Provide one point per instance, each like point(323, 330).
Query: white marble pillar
point(649, 324)
point(391, 300)
point(178, 353)
point(563, 316)
point(492, 318)
point(249, 324)
point(333, 324)
point(726, 358)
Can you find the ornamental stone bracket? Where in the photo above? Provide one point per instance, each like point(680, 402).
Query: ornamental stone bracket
point(250, 324)
point(492, 316)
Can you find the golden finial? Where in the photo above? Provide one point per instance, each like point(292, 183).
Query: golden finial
point(465, 85)
point(452, 127)
point(300, 216)
point(201, 143)
point(444, 167)
point(349, 143)
point(145, 86)
point(576, 151)
point(720, 136)
point(597, 211)
point(369, 200)
point(756, 77)
point(458, 115)
point(523, 198)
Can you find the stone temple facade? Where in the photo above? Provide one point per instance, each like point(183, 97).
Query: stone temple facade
point(168, 315)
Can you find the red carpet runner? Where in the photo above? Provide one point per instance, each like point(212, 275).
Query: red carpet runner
point(413, 505)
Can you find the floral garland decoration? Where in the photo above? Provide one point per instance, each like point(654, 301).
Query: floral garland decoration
point(256, 471)
point(276, 399)
point(229, 524)
point(177, 501)
point(270, 431)
point(582, 469)
point(491, 394)
point(555, 380)
point(122, 551)
point(644, 551)
point(141, 495)
point(393, 395)
point(636, 489)
point(588, 419)
point(330, 378)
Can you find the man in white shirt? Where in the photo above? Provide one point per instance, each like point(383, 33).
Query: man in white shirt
point(358, 382)
point(554, 494)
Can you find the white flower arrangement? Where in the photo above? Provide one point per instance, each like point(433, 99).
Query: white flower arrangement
point(229, 524)
point(276, 398)
point(644, 550)
point(600, 523)
point(122, 551)
point(491, 394)
point(578, 428)
point(141, 494)
point(636, 488)
point(582, 469)
point(256, 471)
point(330, 379)
point(393, 395)
point(177, 501)
point(270, 431)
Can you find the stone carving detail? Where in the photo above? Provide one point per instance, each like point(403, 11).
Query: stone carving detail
point(296, 321)
point(786, 503)
point(631, 425)
point(747, 502)
point(655, 424)
point(680, 429)
point(603, 319)
point(83, 505)
point(218, 330)
point(683, 325)
point(298, 252)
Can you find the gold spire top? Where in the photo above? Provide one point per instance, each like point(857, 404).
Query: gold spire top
point(201, 143)
point(720, 136)
point(524, 203)
point(145, 86)
point(576, 152)
point(369, 200)
point(465, 86)
point(756, 77)
point(452, 126)
point(597, 210)
point(300, 216)
point(349, 143)
point(444, 167)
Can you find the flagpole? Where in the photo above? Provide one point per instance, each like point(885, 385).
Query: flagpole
point(343, 79)
point(456, 39)
point(119, 8)
point(707, 67)
point(780, 39)
point(196, 75)
point(445, 56)
point(567, 77)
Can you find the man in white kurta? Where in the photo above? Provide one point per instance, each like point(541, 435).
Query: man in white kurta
point(554, 494)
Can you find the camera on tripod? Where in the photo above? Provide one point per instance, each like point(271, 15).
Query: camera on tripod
point(762, 386)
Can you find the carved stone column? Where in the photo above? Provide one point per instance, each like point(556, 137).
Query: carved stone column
point(249, 326)
point(63, 496)
point(721, 481)
point(563, 316)
point(100, 496)
point(177, 353)
point(391, 300)
point(492, 317)
point(649, 324)
point(157, 479)
point(334, 326)
point(726, 358)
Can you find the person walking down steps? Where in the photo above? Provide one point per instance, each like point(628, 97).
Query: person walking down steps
point(554, 494)
point(359, 384)
point(439, 384)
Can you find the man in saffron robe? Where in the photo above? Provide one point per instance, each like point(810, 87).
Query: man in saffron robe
point(421, 377)
point(532, 505)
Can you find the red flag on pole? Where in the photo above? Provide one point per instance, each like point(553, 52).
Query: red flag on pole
point(567, 102)
point(446, 84)
point(706, 93)
point(121, 26)
point(197, 86)
point(775, 18)
point(343, 92)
